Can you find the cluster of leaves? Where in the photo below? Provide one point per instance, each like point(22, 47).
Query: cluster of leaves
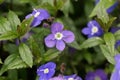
point(33, 52)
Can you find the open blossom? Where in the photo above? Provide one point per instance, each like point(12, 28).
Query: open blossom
point(59, 77)
point(93, 29)
point(46, 71)
point(116, 74)
point(111, 8)
point(59, 37)
point(39, 15)
point(97, 75)
point(72, 77)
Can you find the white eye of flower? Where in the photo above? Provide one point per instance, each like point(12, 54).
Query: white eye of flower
point(37, 14)
point(58, 36)
point(46, 70)
point(94, 29)
point(97, 78)
point(70, 79)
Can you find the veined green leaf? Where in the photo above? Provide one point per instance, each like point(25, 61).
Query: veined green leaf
point(91, 42)
point(75, 45)
point(24, 27)
point(4, 25)
point(105, 3)
point(117, 35)
point(107, 54)
point(13, 19)
point(51, 54)
point(26, 54)
point(110, 42)
point(8, 35)
point(12, 62)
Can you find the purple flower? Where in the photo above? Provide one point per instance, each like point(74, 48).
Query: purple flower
point(111, 8)
point(72, 77)
point(93, 29)
point(114, 29)
point(39, 16)
point(117, 44)
point(116, 74)
point(97, 75)
point(46, 71)
point(60, 77)
point(59, 37)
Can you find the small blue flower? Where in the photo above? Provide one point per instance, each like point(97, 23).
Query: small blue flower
point(72, 77)
point(59, 77)
point(97, 75)
point(59, 37)
point(111, 8)
point(39, 15)
point(93, 29)
point(116, 74)
point(114, 29)
point(46, 71)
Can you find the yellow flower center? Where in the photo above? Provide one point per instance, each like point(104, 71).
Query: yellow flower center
point(46, 70)
point(97, 78)
point(70, 79)
point(94, 29)
point(58, 36)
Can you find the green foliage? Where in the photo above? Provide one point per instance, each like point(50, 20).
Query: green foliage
point(51, 54)
point(107, 54)
point(8, 35)
point(102, 6)
point(26, 54)
point(91, 42)
point(12, 62)
point(24, 27)
point(117, 35)
point(110, 43)
point(13, 19)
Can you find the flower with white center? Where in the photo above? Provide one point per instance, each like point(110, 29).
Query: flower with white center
point(39, 16)
point(70, 79)
point(99, 74)
point(93, 29)
point(59, 37)
point(46, 71)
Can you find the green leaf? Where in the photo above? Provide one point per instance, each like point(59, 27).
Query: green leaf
point(8, 35)
point(12, 62)
point(75, 45)
point(13, 19)
point(51, 54)
point(102, 14)
point(34, 46)
point(1, 1)
point(107, 54)
point(110, 42)
point(26, 54)
point(1, 61)
point(11, 48)
point(24, 26)
point(4, 25)
point(103, 3)
point(91, 42)
point(117, 35)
